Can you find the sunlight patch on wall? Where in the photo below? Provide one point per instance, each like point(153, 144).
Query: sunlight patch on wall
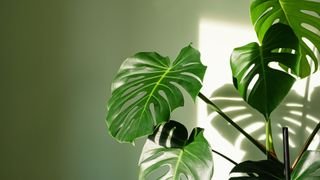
point(216, 42)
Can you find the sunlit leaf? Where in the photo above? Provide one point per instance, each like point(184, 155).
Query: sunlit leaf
point(260, 84)
point(303, 16)
point(259, 170)
point(179, 158)
point(147, 88)
point(308, 167)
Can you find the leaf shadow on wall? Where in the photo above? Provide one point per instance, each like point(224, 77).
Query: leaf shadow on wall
point(295, 112)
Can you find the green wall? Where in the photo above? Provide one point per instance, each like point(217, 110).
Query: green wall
point(58, 59)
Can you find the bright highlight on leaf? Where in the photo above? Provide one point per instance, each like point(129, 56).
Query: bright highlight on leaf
point(303, 16)
point(180, 158)
point(147, 89)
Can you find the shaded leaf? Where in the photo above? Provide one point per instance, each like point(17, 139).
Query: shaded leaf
point(253, 62)
point(303, 16)
point(146, 90)
point(259, 170)
point(189, 158)
point(308, 167)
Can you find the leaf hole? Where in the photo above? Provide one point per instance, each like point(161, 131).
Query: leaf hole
point(284, 50)
point(308, 43)
point(131, 89)
point(153, 112)
point(170, 139)
point(164, 95)
point(266, 12)
point(276, 21)
point(248, 71)
point(251, 85)
point(310, 28)
point(183, 177)
point(311, 13)
point(192, 75)
point(160, 173)
point(318, 1)
point(133, 100)
point(279, 67)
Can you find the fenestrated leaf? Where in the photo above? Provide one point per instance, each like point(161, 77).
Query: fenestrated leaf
point(188, 158)
point(308, 167)
point(146, 90)
point(303, 16)
point(252, 62)
point(259, 170)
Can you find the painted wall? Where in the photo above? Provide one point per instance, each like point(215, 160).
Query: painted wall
point(58, 59)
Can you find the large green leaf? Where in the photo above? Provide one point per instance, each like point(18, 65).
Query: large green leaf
point(169, 154)
point(252, 62)
point(259, 170)
point(146, 90)
point(308, 167)
point(303, 16)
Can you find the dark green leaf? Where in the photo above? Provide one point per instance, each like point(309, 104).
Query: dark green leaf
point(308, 167)
point(193, 160)
point(252, 62)
point(259, 170)
point(303, 16)
point(171, 134)
point(146, 90)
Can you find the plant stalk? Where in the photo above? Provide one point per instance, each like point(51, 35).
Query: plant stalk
point(269, 139)
point(260, 146)
point(286, 153)
point(306, 145)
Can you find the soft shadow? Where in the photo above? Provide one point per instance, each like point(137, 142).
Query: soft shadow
point(295, 112)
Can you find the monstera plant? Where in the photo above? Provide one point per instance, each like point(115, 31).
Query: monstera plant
point(149, 86)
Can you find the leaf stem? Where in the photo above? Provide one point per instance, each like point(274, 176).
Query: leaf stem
point(306, 145)
point(260, 146)
point(224, 156)
point(269, 139)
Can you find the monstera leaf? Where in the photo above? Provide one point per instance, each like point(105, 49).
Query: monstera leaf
point(253, 62)
point(146, 90)
point(303, 16)
point(169, 147)
point(308, 167)
point(259, 170)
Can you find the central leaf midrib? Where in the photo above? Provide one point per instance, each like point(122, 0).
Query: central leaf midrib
point(284, 12)
point(153, 90)
point(264, 79)
point(177, 164)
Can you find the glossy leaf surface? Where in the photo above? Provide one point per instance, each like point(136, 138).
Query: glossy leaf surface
point(259, 170)
point(303, 16)
point(147, 88)
point(308, 167)
point(179, 158)
point(261, 85)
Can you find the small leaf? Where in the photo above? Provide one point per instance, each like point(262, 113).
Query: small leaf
point(253, 62)
point(259, 170)
point(308, 167)
point(303, 16)
point(192, 160)
point(146, 90)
